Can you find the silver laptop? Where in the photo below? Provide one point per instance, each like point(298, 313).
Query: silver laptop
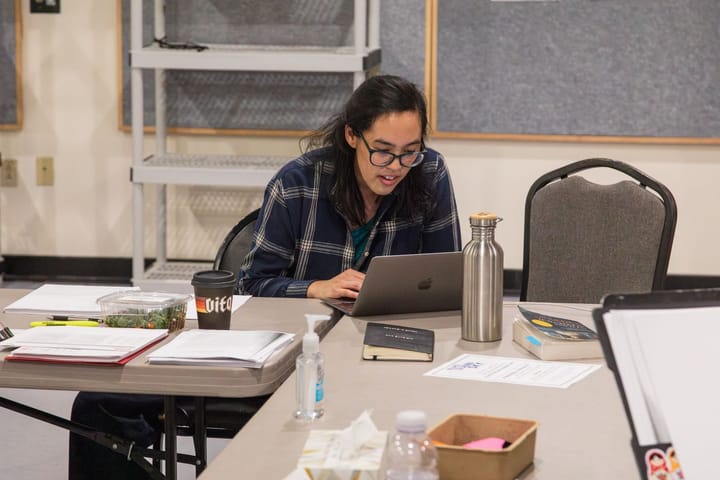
point(423, 282)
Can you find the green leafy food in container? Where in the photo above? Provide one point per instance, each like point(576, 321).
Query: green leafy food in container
point(137, 309)
point(164, 318)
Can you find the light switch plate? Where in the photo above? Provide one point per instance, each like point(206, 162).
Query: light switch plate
point(9, 173)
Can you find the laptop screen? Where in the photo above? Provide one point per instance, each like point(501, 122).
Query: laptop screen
point(423, 282)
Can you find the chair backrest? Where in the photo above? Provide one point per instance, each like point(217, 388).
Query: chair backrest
point(237, 244)
point(584, 240)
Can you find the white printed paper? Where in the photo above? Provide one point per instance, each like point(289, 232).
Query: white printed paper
point(519, 371)
point(68, 300)
point(240, 348)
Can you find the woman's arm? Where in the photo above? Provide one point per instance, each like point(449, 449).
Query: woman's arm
point(441, 232)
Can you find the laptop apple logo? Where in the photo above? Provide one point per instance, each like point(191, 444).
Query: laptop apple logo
point(424, 284)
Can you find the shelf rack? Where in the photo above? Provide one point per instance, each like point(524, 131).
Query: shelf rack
point(166, 168)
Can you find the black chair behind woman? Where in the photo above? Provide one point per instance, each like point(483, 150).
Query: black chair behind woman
point(237, 244)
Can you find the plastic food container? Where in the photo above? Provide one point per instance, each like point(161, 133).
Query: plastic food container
point(137, 309)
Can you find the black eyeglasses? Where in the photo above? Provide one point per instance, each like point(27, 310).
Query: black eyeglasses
point(162, 43)
point(383, 158)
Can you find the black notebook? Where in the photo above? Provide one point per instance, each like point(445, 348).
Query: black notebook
point(394, 342)
point(660, 347)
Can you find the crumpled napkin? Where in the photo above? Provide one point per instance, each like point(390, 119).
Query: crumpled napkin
point(352, 453)
point(354, 437)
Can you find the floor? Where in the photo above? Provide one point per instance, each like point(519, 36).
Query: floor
point(45, 456)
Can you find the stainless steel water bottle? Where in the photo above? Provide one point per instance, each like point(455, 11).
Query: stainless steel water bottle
point(482, 281)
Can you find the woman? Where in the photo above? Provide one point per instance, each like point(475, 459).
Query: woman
point(370, 187)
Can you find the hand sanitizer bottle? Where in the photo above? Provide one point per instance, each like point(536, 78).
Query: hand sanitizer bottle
point(310, 374)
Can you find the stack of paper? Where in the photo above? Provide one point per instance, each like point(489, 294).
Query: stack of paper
point(666, 359)
point(81, 344)
point(238, 348)
point(67, 300)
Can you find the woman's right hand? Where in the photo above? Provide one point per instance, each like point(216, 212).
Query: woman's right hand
point(344, 285)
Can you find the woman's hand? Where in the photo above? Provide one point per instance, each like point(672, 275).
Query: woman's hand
point(346, 284)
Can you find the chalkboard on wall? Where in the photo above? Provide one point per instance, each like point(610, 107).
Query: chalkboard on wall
point(10, 65)
point(268, 102)
point(598, 70)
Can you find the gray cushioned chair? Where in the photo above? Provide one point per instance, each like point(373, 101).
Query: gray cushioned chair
point(584, 240)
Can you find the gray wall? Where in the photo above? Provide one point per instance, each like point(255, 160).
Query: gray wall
point(8, 55)
point(580, 67)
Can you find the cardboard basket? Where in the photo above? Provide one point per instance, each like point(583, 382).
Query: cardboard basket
point(458, 463)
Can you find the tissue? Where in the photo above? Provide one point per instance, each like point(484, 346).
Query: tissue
point(352, 453)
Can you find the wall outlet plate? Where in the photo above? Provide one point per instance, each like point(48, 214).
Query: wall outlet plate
point(44, 170)
point(44, 6)
point(9, 173)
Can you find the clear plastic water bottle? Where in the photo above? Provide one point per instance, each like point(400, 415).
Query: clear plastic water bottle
point(410, 453)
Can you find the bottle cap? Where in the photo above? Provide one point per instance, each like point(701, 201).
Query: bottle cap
point(484, 219)
point(411, 421)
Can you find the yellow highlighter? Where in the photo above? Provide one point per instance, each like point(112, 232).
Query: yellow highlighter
point(64, 323)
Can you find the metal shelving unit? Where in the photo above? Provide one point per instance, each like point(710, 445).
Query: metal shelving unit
point(165, 168)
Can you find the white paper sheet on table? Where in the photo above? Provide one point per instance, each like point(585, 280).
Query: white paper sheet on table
point(81, 301)
point(488, 368)
point(81, 344)
point(5, 345)
point(241, 348)
point(69, 300)
point(238, 301)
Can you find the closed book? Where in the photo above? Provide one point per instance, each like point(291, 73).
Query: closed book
point(554, 338)
point(394, 342)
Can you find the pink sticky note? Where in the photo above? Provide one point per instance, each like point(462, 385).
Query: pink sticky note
point(489, 443)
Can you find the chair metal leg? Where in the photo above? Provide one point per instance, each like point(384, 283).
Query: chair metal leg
point(170, 439)
point(157, 446)
point(200, 436)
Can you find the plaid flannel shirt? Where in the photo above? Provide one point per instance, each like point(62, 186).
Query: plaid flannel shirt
point(301, 237)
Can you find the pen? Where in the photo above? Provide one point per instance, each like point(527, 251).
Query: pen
point(66, 317)
point(5, 332)
point(63, 323)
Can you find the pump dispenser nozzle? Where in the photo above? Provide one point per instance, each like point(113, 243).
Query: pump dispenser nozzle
point(311, 341)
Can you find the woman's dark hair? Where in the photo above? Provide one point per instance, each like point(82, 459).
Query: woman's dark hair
point(375, 97)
